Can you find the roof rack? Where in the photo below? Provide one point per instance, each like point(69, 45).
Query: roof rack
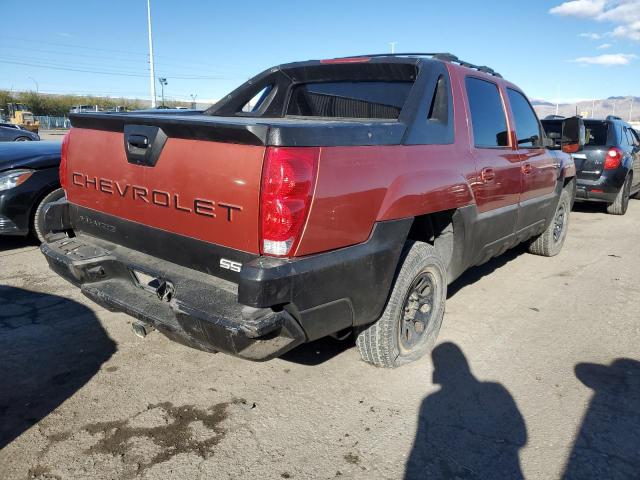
point(444, 56)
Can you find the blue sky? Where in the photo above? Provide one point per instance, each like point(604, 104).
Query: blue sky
point(579, 49)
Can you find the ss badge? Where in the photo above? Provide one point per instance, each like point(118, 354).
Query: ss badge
point(229, 265)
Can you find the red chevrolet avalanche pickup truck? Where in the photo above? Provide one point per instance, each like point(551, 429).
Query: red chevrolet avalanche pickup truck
point(319, 198)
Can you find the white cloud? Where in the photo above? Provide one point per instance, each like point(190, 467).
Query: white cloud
point(623, 14)
point(591, 36)
point(604, 46)
point(608, 60)
point(580, 8)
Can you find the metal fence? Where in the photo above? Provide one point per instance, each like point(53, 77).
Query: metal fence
point(50, 123)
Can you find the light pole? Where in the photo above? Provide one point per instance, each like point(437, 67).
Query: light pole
point(152, 74)
point(163, 82)
point(193, 101)
point(34, 81)
point(393, 46)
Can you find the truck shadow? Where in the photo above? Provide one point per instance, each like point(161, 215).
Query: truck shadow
point(318, 351)
point(474, 274)
point(608, 440)
point(8, 243)
point(468, 428)
point(589, 207)
point(49, 348)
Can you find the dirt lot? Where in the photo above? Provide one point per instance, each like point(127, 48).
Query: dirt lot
point(537, 373)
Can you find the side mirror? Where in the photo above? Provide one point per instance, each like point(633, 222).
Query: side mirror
point(573, 135)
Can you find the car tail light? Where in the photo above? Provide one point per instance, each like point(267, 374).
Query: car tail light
point(288, 177)
point(63, 161)
point(613, 159)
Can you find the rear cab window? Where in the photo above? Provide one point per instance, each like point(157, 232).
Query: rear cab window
point(345, 99)
point(488, 116)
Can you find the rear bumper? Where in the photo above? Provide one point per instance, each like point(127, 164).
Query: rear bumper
point(272, 306)
point(201, 313)
point(604, 189)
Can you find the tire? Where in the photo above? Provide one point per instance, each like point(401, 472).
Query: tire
point(550, 242)
point(419, 292)
point(38, 217)
point(22, 139)
point(621, 203)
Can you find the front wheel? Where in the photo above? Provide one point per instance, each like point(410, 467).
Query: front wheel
point(38, 216)
point(409, 325)
point(22, 139)
point(550, 242)
point(621, 203)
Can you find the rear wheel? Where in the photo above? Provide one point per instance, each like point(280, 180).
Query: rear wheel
point(38, 216)
point(621, 203)
point(22, 139)
point(409, 325)
point(550, 242)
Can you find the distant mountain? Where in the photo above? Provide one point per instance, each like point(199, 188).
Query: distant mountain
point(623, 107)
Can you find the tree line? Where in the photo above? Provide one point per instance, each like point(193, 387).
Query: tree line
point(59, 105)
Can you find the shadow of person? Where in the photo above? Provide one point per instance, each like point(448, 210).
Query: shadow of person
point(467, 429)
point(608, 443)
point(49, 347)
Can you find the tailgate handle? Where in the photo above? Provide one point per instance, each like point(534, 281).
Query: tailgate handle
point(138, 141)
point(143, 144)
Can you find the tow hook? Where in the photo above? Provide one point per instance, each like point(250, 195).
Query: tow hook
point(141, 329)
point(165, 291)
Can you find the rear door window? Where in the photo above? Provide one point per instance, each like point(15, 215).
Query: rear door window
point(527, 126)
point(375, 100)
point(487, 114)
point(596, 133)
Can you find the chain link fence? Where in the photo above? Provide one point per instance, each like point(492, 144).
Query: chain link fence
point(51, 123)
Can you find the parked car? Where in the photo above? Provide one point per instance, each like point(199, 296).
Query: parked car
point(10, 132)
point(608, 169)
point(346, 199)
point(28, 180)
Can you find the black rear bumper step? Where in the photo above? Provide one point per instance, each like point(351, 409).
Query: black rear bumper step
point(198, 314)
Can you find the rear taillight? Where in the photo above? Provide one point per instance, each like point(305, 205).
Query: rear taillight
point(288, 177)
point(63, 161)
point(613, 158)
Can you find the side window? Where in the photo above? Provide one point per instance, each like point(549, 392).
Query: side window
point(629, 135)
point(439, 111)
point(487, 114)
point(527, 126)
point(636, 137)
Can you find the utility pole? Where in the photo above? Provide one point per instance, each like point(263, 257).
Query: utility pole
point(152, 75)
point(614, 108)
point(193, 101)
point(593, 107)
point(631, 109)
point(393, 46)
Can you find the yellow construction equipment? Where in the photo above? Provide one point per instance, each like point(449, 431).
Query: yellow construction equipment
point(20, 114)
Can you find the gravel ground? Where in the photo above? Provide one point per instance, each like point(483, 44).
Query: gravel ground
point(536, 374)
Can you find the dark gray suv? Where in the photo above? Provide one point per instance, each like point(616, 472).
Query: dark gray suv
point(608, 169)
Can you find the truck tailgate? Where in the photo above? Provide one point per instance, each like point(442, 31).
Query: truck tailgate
point(206, 190)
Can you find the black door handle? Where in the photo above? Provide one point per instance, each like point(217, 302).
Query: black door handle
point(138, 141)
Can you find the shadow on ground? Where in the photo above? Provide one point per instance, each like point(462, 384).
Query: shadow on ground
point(608, 443)
point(8, 243)
point(474, 274)
point(49, 348)
point(468, 428)
point(318, 351)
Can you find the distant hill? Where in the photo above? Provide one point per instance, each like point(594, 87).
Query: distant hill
point(619, 106)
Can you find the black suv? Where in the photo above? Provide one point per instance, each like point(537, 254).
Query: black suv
point(608, 169)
